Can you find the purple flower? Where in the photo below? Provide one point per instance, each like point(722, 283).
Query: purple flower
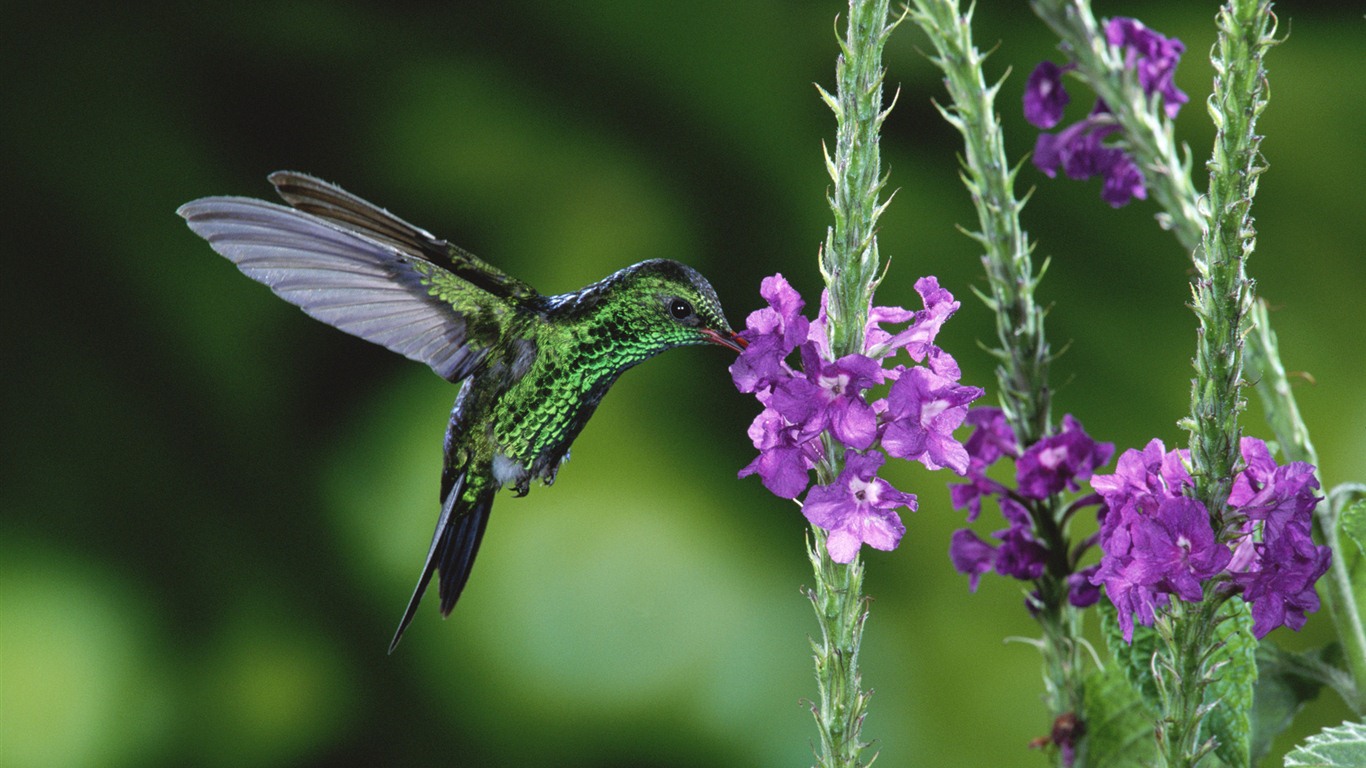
point(971, 556)
point(970, 494)
point(1048, 467)
point(923, 408)
point(1277, 562)
point(1273, 493)
point(1021, 555)
point(1153, 56)
point(1081, 591)
point(1059, 461)
point(992, 438)
point(1158, 542)
point(1177, 548)
point(1044, 96)
point(1131, 599)
point(1123, 181)
point(1077, 150)
point(1277, 576)
point(1142, 479)
point(917, 338)
point(772, 332)
point(1080, 149)
point(830, 396)
point(1155, 541)
point(858, 508)
point(825, 398)
point(786, 454)
point(1081, 152)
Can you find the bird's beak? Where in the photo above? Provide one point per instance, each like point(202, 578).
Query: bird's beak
point(728, 339)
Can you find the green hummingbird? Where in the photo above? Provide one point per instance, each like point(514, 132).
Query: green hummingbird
point(532, 367)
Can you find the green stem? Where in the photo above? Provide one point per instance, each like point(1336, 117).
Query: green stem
point(1283, 414)
point(1061, 650)
point(841, 612)
point(849, 263)
point(1223, 293)
point(1023, 351)
point(1218, 231)
point(1182, 676)
point(1221, 300)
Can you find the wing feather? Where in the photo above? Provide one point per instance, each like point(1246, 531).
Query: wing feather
point(330, 202)
point(358, 284)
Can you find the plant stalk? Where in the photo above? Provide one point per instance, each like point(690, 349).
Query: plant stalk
point(849, 263)
point(1023, 352)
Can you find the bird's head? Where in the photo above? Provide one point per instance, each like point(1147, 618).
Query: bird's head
point(661, 304)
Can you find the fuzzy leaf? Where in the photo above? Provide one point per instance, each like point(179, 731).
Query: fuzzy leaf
point(1340, 747)
point(1286, 681)
point(1231, 689)
point(1352, 521)
point(1352, 524)
point(1136, 659)
point(1119, 725)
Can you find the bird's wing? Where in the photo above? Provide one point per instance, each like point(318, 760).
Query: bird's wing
point(356, 280)
point(330, 202)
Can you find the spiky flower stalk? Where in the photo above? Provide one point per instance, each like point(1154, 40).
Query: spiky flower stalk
point(849, 263)
point(1222, 298)
point(1222, 291)
point(1023, 352)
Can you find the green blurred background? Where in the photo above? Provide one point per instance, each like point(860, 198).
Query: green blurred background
point(214, 508)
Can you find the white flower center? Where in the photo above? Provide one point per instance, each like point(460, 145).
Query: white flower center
point(1053, 457)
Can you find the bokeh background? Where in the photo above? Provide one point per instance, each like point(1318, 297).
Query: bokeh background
point(213, 508)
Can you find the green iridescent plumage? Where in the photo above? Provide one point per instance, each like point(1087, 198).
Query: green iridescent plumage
point(533, 367)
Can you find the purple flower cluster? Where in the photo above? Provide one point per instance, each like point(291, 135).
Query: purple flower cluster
point(1158, 542)
point(914, 421)
point(1050, 466)
point(1079, 149)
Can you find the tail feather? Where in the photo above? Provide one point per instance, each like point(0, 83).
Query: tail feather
point(457, 559)
point(455, 543)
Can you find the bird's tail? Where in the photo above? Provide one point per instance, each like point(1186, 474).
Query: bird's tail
point(459, 529)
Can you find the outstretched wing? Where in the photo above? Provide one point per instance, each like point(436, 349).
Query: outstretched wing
point(357, 280)
point(330, 202)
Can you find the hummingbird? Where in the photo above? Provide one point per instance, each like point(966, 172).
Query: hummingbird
point(531, 367)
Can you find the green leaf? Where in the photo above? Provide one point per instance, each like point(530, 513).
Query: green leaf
point(1119, 725)
point(1340, 747)
point(1286, 681)
point(1352, 521)
point(1352, 524)
point(1232, 684)
point(1136, 658)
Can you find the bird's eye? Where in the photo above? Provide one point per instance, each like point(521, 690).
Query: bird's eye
point(680, 309)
